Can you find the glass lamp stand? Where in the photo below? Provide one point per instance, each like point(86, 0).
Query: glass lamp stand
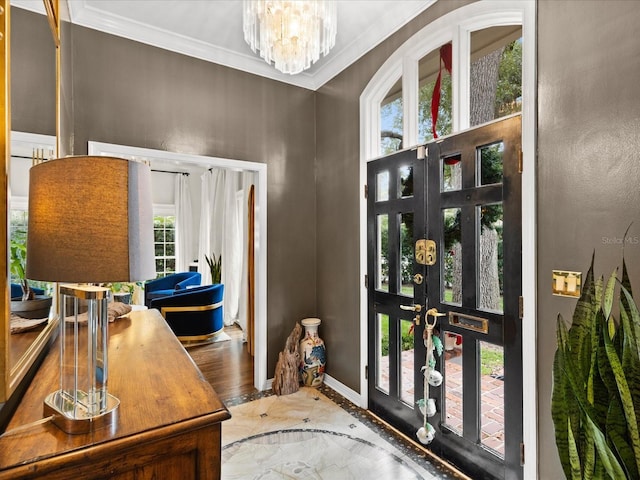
point(82, 402)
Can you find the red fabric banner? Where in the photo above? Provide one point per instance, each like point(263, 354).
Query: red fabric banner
point(445, 58)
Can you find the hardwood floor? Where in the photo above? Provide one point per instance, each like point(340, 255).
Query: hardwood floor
point(227, 366)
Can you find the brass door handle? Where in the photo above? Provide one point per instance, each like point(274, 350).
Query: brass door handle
point(412, 308)
point(434, 313)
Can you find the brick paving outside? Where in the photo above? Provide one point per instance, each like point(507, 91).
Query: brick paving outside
point(492, 396)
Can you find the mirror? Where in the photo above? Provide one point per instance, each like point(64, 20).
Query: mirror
point(31, 56)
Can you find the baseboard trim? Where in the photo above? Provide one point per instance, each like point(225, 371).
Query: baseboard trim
point(342, 389)
point(346, 392)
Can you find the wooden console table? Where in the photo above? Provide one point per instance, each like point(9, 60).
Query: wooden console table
point(167, 427)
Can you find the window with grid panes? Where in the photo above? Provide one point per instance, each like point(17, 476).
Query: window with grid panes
point(164, 229)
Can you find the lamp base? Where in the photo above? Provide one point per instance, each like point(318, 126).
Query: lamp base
point(75, 418)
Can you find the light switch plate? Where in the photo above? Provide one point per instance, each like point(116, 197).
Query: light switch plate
point(566, 284)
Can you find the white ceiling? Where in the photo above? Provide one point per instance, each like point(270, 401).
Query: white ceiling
point(212, 30)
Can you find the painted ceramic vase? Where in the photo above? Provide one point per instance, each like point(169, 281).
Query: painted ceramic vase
point(312, 353)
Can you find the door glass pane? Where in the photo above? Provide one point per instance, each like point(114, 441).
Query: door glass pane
point(490, 261)
point(407, 364)
point(428, 68)
point(492, 397)
point(405, 178)
point(391, 118)
point(451, 173)
point(490, 164)
point(496, 73)
point(382, 186)
point(407, 253)
point(452, 254)
point(453, 381)
point(382, 262)
point(382, 352)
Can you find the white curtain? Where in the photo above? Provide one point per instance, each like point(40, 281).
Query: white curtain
point(184, 223)
point(222, 232)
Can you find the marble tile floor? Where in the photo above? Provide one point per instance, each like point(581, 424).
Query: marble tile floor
point(317, 434)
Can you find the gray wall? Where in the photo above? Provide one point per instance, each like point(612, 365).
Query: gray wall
point(33, 74)
point(133, 94)
point(588, 161)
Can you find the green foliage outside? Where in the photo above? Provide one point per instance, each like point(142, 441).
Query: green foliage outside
point(509, 91)
point(491, 360)
point(406, 337)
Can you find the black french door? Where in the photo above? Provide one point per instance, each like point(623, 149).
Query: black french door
point(396, 299)
point(444, 235)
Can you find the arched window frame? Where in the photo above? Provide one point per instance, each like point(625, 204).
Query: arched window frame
point(456, 27)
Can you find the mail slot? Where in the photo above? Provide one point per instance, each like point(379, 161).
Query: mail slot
point(469, 322)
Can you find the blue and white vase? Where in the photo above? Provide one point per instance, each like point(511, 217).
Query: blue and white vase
point(312, 353)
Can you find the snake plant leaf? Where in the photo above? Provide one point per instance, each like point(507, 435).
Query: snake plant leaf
point(581, 324)
point(626, 283)
point(616, 432)
point(561, 399)
point(609, 460)
point(604, 386)
point(574, 456)
point(629, 345)
point(598, 471)
point(608, 294)
point(599, 288)
point(625, 397)
point(590, 458)
point(605, 372)
point(630, 358)
point(634, 315)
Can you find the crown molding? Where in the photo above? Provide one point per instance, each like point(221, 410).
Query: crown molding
point(85, 14)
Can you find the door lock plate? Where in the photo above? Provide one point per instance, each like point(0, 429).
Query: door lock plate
point(426, 252)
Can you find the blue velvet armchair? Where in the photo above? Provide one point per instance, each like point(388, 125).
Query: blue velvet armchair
point(195, 315)
point(16, 290)
point(169, 285)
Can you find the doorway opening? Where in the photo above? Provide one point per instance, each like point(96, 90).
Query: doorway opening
point(197, 166)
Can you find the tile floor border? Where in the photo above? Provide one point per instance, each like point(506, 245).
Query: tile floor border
point(424, 457)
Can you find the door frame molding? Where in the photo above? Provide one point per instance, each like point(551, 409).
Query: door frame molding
point(454, 27)
point(260, 169)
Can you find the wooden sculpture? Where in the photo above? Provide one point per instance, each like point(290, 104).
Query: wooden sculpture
point(287, 376)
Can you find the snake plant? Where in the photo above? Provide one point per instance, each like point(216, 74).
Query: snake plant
point(596, 382)
point(215, 265)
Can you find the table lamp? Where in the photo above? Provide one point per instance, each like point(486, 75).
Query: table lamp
point(90, 222)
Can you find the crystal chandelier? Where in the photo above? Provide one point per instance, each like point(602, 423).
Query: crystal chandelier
point(291, 33)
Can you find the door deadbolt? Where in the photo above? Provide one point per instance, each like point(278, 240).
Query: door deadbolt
point(418, 278)
point(426, 252)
